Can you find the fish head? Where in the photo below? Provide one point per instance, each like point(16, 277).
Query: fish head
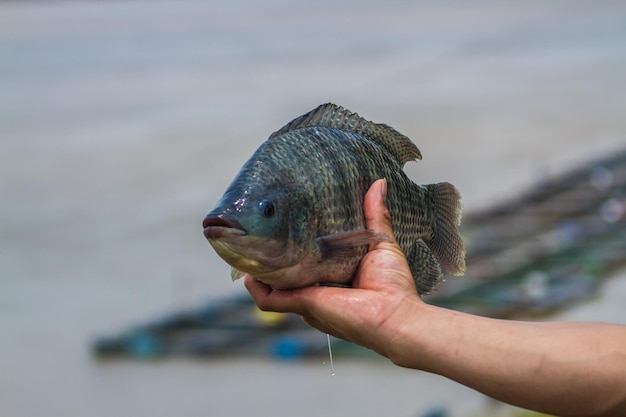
point(259, 229)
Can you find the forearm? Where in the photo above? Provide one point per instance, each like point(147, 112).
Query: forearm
point(563, 368)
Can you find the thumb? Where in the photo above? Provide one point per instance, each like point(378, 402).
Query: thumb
point(377, 216)
point(385, 265)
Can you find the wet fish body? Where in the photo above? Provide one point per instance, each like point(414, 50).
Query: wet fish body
point(293, 215)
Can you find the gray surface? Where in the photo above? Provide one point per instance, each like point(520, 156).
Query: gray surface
point(122, 122)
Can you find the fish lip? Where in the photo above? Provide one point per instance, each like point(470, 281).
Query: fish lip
point(219, 226)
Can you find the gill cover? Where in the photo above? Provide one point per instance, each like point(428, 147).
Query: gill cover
point(271, 220)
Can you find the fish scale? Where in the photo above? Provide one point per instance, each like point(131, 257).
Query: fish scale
point(293, 216)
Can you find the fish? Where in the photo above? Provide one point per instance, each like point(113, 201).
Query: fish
point(293, 215)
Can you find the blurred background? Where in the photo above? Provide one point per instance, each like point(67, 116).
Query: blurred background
point(121, 124)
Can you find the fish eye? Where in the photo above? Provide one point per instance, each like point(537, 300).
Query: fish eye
point(267, 207)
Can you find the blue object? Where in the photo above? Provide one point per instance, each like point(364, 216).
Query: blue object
point(144, 344)
point(288, 347)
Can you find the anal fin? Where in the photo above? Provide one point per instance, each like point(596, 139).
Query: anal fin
point(424, 267)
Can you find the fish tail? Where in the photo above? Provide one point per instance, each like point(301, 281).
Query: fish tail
point(445, 240)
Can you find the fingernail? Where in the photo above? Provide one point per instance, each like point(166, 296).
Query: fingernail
point(383, 189)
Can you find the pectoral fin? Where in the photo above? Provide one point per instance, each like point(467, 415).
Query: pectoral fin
point(424, 267)
point(344, 244)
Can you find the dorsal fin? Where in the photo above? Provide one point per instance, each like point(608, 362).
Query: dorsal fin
point(332, 115)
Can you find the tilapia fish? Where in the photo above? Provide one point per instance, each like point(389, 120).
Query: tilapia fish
point(293, 215)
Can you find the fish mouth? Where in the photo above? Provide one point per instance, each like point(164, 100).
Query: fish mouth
point(216, 227)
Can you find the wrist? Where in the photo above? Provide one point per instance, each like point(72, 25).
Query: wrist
point(409, 334)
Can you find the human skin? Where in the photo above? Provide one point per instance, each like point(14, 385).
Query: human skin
point(567, 369)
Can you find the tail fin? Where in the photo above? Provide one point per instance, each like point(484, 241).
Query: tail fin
point(445, 240)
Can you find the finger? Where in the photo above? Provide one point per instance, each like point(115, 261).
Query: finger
point(377, 216)
point(317, 324)
point(384, 255)
point(269, 299)
point(261, 293)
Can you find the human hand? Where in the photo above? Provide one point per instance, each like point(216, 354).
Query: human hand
point(556, 368)
point(371, 312)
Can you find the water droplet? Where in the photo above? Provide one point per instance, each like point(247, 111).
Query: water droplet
point(330, 355)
